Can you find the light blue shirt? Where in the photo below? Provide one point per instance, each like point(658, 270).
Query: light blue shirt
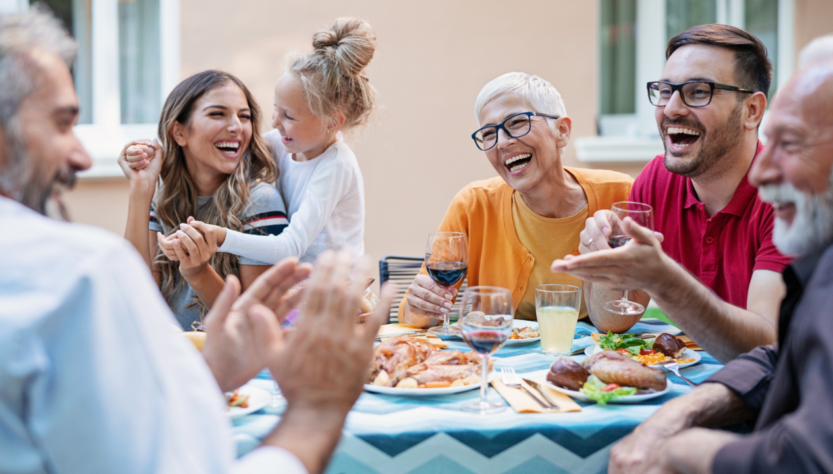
point(95, 375)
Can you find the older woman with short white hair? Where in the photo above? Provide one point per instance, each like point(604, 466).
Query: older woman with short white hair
point(531, 213)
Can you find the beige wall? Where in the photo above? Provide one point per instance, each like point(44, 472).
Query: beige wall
point(433, 58)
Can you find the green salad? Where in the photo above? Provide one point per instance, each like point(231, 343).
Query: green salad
point(602, 393)
point(629, 342)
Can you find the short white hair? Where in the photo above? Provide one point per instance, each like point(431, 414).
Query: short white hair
point(538, 93)
point(818, 49)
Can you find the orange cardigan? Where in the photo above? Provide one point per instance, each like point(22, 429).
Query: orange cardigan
point(483, 211)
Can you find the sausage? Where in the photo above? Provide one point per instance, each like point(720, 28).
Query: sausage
point(568, 374)
point(669, 345)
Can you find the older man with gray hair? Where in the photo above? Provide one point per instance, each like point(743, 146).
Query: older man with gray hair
point(93, 375)
point(785, 390)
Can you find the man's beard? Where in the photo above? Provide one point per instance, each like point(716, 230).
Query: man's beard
point(812, 226)
point(715, 145)
point(24, 181)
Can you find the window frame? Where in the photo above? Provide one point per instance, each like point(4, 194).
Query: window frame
point(105, 136)
point(637, 139)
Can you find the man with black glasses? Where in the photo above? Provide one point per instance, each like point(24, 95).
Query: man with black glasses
point(714, 269)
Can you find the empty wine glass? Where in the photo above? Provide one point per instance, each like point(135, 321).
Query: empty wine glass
point(446, 259)
point(486, 317)
point(643, 215)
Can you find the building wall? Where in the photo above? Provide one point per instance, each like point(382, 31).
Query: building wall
point(432, 59)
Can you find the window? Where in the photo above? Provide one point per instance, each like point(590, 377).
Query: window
point(127, 63)
point(633, 36)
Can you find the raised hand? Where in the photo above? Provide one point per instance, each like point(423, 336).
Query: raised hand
point(231, 347)
point(141, 163)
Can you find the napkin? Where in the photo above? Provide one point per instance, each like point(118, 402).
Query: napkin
point(522, 402)
point(689, 344)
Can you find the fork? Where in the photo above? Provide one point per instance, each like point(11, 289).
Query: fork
point(511, 379)
point(672, 366)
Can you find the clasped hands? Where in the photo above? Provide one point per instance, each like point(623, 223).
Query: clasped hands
point(638, 264)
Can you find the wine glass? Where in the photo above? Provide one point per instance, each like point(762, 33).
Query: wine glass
point(486, 317)
point(643, 215)
point(446, 259)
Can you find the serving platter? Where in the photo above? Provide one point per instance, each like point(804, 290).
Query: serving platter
point(423, 392)
point(258, 398)
point(687, 354)
point(639, 397)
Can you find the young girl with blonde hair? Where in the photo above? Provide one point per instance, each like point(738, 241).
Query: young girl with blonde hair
point(321, 94)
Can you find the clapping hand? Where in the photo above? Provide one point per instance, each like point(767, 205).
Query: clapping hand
point(231, 340)
point(192, 236)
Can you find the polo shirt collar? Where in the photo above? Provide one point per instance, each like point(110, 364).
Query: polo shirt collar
point(744, 194)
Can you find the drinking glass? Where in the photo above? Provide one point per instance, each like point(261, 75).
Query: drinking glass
point(643, 215)
point(446, 259)
point(486, 317)
point(557, 308)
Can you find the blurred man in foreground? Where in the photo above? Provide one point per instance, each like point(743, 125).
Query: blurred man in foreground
point(715, 273)
point(93, 375)
point(785, 390)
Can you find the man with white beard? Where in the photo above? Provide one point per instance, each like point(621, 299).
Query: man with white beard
point(785, 390)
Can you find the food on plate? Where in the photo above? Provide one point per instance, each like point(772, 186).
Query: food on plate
point(623, 342)
point(528, 332)
point(669, 345)
point(404, 362)
point(235, 399)
point(568, 374)
point(602, 393)
point(615, 368)
point(663, 348)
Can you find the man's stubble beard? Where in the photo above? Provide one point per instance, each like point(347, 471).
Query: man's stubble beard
point(716, 144)
point(24, 181)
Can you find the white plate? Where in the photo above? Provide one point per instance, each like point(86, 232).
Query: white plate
point(423, 392)
point(639, 397)
point(258, 398)
point(687, 354)
point(522, 323)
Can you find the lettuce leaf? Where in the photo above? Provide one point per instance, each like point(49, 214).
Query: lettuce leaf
point(592, 389)
point(629, 342)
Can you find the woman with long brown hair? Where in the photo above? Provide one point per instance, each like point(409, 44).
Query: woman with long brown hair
point(213, 166)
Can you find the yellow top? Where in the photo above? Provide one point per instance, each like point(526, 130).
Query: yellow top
point(546, 239)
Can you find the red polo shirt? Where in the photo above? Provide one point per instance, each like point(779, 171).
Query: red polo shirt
point(722, 250)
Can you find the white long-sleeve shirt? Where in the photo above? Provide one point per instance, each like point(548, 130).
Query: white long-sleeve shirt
point(94, 374)
point(325, 201)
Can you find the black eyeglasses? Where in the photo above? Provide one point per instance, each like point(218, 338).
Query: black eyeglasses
point(514, 126)
point(693, 93)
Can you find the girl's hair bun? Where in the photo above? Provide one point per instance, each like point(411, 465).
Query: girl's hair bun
point(349, 45)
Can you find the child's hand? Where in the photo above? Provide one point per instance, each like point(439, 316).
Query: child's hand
point(205, 229)
point(141, 163)
point(167, 246)
point(194, 248)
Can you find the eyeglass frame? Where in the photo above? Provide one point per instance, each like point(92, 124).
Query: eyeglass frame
point(500, 127)
point(679, 88)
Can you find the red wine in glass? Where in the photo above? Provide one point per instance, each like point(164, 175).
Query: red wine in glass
point(446, 260)
point(447, 274)
point(486, 342)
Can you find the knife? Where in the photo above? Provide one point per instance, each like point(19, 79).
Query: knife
point(537, 387)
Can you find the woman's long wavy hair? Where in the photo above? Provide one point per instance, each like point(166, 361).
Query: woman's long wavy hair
point(176, 195)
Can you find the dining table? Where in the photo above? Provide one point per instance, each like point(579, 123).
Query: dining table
point(394, 434)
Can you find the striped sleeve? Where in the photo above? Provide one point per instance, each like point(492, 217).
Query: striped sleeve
point(154, 224)
point(265, 214)
point(266, 223)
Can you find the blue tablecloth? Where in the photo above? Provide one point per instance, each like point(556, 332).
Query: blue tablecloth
point(390, 434)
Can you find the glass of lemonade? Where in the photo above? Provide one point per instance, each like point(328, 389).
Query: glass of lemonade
point(557, 308)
